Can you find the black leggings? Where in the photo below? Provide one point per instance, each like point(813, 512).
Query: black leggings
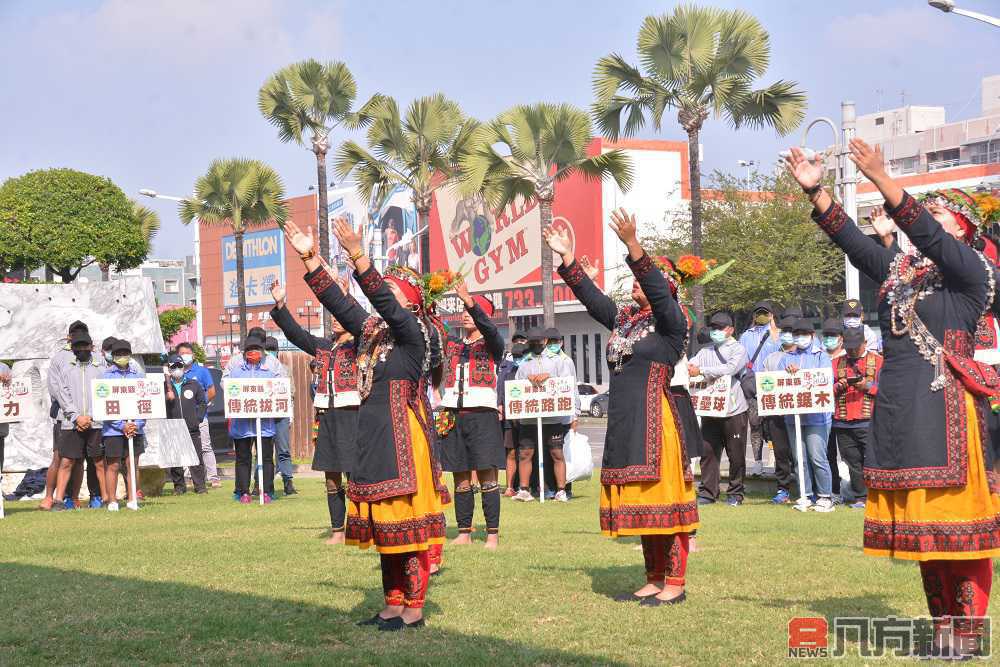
point(244, 455)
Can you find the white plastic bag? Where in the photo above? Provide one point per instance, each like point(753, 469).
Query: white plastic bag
point(579, 460)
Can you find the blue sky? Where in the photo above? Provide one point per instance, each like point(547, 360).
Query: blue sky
point(148, 92)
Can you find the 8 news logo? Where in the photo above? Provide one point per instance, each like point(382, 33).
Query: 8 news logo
point(808, 637)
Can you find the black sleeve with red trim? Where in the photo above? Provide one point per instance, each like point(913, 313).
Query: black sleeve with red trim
point(402, 322)
point(494, 341)
point(343, 307)
point(666, 311)
point(871, 259)
point(597, 303)
point(294, 332)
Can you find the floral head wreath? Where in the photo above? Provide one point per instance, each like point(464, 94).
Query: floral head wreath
point(976, 212)
point(424, 289)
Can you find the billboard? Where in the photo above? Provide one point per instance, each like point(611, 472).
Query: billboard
point(390, 225)
point(501, 251)
point(263, 263)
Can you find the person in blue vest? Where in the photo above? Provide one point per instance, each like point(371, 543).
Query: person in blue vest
point(817, 479)
point(760, 340)
point(244, 430)
point(115, 434)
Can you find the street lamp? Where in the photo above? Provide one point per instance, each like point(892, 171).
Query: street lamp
point(948, 7)
point(146, 192)
point(846, 181)
point(748, 164)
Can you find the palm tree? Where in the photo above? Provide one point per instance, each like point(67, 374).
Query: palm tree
point(314, 98)
point(241, 193)
point(421, 151)
point(700, 61)
point(524, 152)
point(149, 221)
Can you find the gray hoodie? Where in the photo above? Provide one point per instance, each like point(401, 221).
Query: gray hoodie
point(733, 362)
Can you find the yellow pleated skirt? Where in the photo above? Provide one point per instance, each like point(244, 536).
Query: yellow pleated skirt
point(955, 523)
point(405, 523)
point(663, 507)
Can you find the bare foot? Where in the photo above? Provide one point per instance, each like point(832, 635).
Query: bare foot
point(336, 537)
point(492, 541)
point(412, 615)
point(670, 592)
point(463, 538)
point(692, 545)
point(391, 612)
point(435, 568)
point(45, 505)
point(647, 590)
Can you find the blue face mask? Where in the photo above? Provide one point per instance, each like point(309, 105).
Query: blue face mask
point(831, 342)
point(803, 342)
point(553, 348)
point(786, 338)
point(718, 336)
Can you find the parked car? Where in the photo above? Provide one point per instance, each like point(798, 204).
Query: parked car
point(599, 405)
point(586, 392)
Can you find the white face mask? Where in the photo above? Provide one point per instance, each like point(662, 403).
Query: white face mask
point(786, 338)
point(803, 342)
point(187, 359)
point(177, 373)
point(852, 322)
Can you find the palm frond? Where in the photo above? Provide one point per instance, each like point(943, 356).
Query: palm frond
point(613, 164)
point(147, 219)
point(613, 75)
point(237, 192)
point(781, 106)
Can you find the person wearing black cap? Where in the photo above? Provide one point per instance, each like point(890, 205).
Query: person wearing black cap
point(775, 424)
point(519, 337)
point(244, 431)
point(511, 427)
point(760, 340)
point(79, 433)
point(833, 345)
point(186, 399)
point(547, 360)
point(336, 402)
point(475, 440)
point(855, 377)
point(647, 487)
point(282, 427)
point(854, 318)
point(115, 434)
point(725, 356)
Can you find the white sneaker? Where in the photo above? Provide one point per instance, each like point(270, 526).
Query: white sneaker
point(112, 507)
point(134, 505)
point(561, 497)
point(824, 505)
point(756, 469)
point(524, 496)
point(803, 505)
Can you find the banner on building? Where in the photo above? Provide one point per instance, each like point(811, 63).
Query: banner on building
point(809, 390)
point(554, 398)
point(249, 398)
point(16, 401)
point(136, 398)
point(711, 398)
point(263, 263)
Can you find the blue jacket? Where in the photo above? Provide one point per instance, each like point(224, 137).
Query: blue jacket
point(751, 338)
point(811, 358)
point(247, 428)
point(117, 428)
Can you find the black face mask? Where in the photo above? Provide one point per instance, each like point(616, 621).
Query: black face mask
point(536, 347)
point(82, 355)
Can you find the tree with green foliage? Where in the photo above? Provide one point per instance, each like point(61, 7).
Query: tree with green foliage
point(67, 220)
point(239, 193)
point(306, 101)
point(148, 221)
point(703, 62)
point(421, 151)
point(173, 320)
point(779, 252)
point(524, 152)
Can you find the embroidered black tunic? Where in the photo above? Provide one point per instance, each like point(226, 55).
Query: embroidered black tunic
point(336, 442)
point(385, 466)
point(633, 445)
point(919, 436)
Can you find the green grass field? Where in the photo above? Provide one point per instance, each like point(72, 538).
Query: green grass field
point(206, 580)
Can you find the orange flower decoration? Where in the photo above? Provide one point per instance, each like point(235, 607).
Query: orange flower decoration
point(692, 267)
point(437, 282)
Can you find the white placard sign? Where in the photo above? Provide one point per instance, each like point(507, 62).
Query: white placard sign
point(135, 398)
point(250, 398)
point(554, 398)
point(16, 401)
point(711, 398)
point(809, 390)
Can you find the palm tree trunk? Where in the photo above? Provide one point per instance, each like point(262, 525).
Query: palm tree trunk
point(548, 295)
point(323, 223)
point(694, 166)
point(241, 289)
point(423, 220)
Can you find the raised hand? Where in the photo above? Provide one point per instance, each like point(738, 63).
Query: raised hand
point(350, 240)
point(462, 290)
point(807, 173)
point(592, 269)
point(557, 240)
point(278, 293)
point(882, 223)
point(302, 242)
point(870, 161)
point(623, 224)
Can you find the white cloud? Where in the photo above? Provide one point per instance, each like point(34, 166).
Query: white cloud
point(892, 32)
